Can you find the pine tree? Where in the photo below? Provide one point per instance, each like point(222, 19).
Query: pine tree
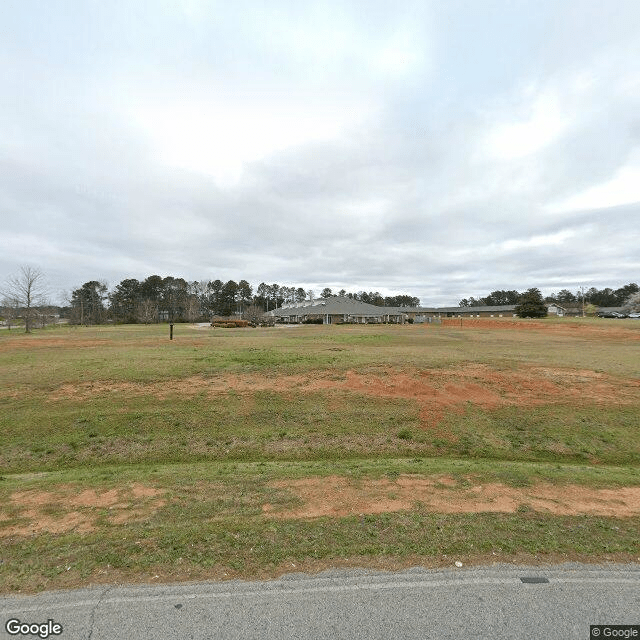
point(531, 304)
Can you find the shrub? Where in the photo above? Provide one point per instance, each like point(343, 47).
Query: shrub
point(230, 324)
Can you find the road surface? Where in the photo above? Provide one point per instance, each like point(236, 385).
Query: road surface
point(497, 602)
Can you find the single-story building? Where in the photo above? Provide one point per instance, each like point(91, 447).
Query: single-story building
point(554, 309)
point(416, 314)
point(342, 309)
point(422, 314)
point(335, 309)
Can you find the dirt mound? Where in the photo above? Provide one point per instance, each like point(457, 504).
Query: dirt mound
point(338, 496)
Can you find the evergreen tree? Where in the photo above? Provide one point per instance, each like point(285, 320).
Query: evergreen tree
point(124, 300)
point(87, 303)
point(531, 304)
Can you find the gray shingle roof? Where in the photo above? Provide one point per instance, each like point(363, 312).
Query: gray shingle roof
point(335, 305)
point(413, 309)
point(478, 309)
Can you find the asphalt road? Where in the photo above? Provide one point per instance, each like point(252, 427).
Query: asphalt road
point(458, 603)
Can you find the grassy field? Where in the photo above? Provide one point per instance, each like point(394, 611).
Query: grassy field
point(249, 452)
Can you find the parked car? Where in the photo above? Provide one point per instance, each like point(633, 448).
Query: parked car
point(635, 314)
point(611, 314)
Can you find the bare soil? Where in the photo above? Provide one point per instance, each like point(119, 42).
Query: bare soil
point(337, 496)
point(566, 327)
point(71, 509)
point(435, 390)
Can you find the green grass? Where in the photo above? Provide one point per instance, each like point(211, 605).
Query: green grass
point(211, 523)
point(158, 359)
point(551, 432)
point(250, 549)
point(233, 476)
point(67, 425)
point(263, 425)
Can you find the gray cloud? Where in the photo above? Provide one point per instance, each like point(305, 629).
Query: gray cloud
point(433, 150)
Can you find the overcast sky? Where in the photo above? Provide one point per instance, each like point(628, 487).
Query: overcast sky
point(440, 149)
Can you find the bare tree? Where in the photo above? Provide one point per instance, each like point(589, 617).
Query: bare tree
point(192, 310)
point(632, 303)
point(28, 290)
point(253, 313)
point(147, 311)
point(10, 311)
point(46, 315)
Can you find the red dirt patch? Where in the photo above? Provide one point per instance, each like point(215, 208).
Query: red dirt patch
point(435, 390)
point(566, 327)
point(70, 509)
point(338, 496)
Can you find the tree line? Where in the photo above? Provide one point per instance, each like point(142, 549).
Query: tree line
point(374, 297)
point(598, 297)
point(170, 299)
point(528, 304)
point(606, 297)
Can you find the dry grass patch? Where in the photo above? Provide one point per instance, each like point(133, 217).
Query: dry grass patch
point(340, 496)
point(40, 342)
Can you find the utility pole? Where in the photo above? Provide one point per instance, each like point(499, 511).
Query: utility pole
point(582, 290)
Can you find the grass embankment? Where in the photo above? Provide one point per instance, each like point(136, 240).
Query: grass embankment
point(127, 456)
